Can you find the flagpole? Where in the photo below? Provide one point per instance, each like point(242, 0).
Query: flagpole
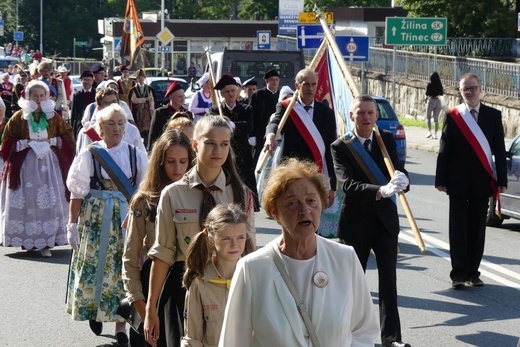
point(213, 92)
point(349, 79)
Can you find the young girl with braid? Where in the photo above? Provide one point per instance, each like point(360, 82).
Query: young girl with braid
point(212, 257)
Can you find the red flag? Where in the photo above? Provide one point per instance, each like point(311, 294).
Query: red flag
point(133, 36)
point(324, 90)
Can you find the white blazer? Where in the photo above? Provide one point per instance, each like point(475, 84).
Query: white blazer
point(262, 312)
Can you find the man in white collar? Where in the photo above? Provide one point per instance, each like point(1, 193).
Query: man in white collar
point(309, 130)
point(264, 103)
point(369, 218)
point(81, 100)
point(473, 133)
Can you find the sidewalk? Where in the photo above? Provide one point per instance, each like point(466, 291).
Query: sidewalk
point(416, 139)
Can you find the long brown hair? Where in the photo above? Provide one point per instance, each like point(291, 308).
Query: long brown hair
point(202, 246)
point(155, 178)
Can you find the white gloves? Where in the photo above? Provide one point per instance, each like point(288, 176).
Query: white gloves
point(40, 148)
point(231, 125)
point(400, 180)
point(252, 141)
point(398, 183)
point(73, 236)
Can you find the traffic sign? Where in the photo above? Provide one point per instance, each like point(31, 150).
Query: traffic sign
point(309, 36)
point(18, 36)
point(165, 36)
point(416, 31)
point(263, 39)
point(81, 43)
point(165, 49)
point(1, 27)
point(311, 18)
point(117, 45)
point(353, 48)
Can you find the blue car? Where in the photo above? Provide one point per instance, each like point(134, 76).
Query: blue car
point(388, 121)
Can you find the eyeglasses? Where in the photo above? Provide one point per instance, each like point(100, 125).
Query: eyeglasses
point(470, 89)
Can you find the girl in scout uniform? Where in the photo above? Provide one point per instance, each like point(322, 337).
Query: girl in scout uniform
point(171, 157)
point(181, 212)
point(212, 257)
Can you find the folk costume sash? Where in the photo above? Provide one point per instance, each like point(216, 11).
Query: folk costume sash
point(92, 134)
point(310, 134)
point(113, 170)
point(468, 126)
point(365, 161)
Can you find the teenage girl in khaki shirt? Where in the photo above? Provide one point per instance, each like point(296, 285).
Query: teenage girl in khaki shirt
point(171, 157)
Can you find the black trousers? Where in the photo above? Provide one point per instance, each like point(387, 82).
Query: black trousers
point(171, 322)
point(467, 231)
point(384, 244)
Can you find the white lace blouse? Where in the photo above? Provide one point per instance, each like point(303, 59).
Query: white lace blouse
point(82, 168)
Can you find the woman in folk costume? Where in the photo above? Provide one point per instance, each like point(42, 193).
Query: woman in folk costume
point(142, 99)
point(37, 148)
point(98, 205)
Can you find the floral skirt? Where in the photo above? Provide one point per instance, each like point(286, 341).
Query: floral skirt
point(95, 285)
point(35, 215)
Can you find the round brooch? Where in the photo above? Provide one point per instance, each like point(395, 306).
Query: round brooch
point(320, 279)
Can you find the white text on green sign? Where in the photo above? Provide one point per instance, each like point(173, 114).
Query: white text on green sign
point(416, 31)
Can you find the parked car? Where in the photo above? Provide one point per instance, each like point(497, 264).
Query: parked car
point(160, 86)
point(388, 121)
point(76, 83)
point(510, 200)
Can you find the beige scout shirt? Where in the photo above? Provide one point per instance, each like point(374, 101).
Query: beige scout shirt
point(205, 306)
point(177, 219)
point(140, 237)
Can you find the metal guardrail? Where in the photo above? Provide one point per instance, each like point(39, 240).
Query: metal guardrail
point(496, 77)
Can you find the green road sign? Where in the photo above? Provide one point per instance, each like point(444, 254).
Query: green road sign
point(81, 43)
point(416, 31)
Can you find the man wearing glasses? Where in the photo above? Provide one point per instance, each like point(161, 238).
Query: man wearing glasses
point(472, 135)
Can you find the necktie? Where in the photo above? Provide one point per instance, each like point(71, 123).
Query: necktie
point(366, 144)
point(208, 202)
point(474, 113)
point(307, 108)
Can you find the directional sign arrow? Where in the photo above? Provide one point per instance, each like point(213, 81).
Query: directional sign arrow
point(394, 29)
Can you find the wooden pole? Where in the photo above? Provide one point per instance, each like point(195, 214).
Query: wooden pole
point(214, 96)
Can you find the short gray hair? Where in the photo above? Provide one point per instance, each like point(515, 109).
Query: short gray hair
point(302, 73)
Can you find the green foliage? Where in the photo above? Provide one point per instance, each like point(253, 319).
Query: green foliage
point(475, 18)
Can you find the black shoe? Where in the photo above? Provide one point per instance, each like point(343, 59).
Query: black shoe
point(397, 344)
point(457, 284)
point(122, 339)
point(95, 326)
point(475, 282)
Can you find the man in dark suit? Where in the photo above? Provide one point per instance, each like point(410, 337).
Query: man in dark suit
point(368, 218)
point(469, 178)
point(81, 100)
point(309, 130)
point(264, 103)
point(242, 117)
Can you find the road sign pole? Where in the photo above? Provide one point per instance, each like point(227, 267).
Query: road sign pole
point(393, 77)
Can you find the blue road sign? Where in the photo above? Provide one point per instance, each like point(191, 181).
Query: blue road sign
point(263, 39)
point(1, 27)
point(353, 48)
point(309, 36)
point(165, 49)
point(18, 36)
point(117, 44)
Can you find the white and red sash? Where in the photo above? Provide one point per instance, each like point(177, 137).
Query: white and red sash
point(477, 140)
point(303, 122)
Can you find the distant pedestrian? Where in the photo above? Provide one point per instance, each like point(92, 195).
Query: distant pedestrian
point(433, 103)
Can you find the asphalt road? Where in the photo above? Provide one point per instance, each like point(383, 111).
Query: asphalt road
point(32, 289)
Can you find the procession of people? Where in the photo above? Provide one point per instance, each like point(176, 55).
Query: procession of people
point(158, 205)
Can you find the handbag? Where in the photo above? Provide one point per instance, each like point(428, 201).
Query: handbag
point(299, 303)
point(130, 314)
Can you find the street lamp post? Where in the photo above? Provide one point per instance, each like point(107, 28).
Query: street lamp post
point(162, 28)
point(41, 27)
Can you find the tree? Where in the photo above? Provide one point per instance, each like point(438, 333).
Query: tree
point(476, 18)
